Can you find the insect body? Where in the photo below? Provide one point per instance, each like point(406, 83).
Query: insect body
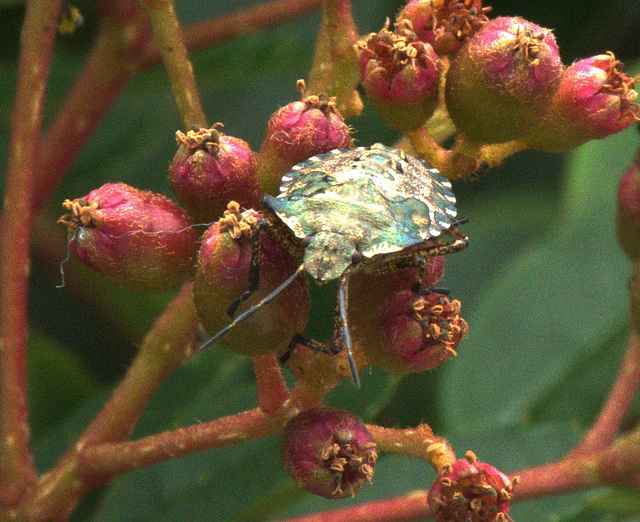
point(375, 208)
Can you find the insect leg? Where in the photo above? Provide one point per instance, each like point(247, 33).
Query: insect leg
point(302, 339)
point(341, 336)
point(248, 313)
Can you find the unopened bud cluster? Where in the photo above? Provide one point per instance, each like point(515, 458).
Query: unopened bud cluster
point(505, 80)
point(500, 79)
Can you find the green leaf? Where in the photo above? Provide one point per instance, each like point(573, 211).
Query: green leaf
point(551, 306)
point(58, 382)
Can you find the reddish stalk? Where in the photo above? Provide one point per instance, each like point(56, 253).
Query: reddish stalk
point(38, 35)
point(616, 465)
point(103, 461)
point(109, 67)
point(122, 49)
point(603, 431)
point(169, 343)
point(412, 506)
point(272, 391)
point(244, 21)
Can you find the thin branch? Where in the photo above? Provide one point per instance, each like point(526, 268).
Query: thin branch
point(166, 30)
point(38, 35)
point(465, 157)
point(169, 343)
point(615, 465)
point(272, 391)
point(417, 442)
point(248, 20)
point(104, 461)
point(110, 65)
point(412, 506)
point(613, 413)
point(121, 49)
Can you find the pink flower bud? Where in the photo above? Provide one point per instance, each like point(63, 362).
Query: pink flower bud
point(471, 490)
point(628, 221)
point(295, 133)
point(328, 452)
point(139, 240)
point(222, 274)
point(445, 24)
point(400, 77)
point(416, 333)
point(373, 317)
point(209, 170)
point(594, 99)
point(502, 82)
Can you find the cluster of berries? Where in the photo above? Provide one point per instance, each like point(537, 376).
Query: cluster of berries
point(503, 78)
point(500, 80)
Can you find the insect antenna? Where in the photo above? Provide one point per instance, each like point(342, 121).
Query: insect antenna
point(248, 313)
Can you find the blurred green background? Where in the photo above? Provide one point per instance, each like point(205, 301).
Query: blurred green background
point(542, 286)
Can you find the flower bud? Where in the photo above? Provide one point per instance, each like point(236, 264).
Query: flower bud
point(209, 170)
point(416, 333)
point(471, 490)
point(328, 452)
point(295, 133)
point(139, 240)
point(594, 99)
point(628, 219)
point(445, 25)
point(502, 81)
point(222, 275)
point(389, 330)
point(401, 78)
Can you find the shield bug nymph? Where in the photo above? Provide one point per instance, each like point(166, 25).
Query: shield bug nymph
point(374, 208)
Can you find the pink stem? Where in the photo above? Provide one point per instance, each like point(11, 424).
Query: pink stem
point(272, 390)
point(38, 35)
point(613, 413)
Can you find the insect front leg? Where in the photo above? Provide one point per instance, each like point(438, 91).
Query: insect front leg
point(341, 338)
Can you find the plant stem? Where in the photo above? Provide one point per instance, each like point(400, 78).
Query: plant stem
point(412, 506)
point(38, 35)
point(246, 20)
point(603, 431)
point(272, 391)
point(335, 70)
point(618, 464)
point(104, 461)
point(465, 158)
point(418, 442)
point(110, 65)
point(169, 343)
point(166, 30)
